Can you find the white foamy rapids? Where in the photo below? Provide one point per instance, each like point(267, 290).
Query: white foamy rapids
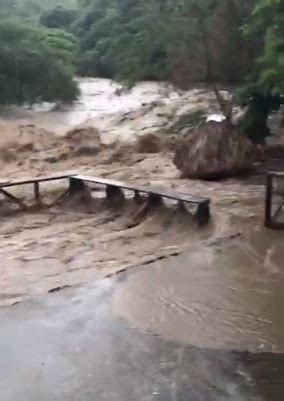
point(116, 111)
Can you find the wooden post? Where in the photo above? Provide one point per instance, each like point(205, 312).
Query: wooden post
point(154, 200)
point(114, 194)
point(203, 214)
point(80, 191)
point(76, 185)
point(37, 194)
point(137, 197)
point(268, 200)
point(181, 206)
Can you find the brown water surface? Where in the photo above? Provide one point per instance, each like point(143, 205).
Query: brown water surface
point(224, 287)
point(229, 294)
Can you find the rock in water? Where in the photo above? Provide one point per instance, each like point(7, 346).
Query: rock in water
point(215, 150)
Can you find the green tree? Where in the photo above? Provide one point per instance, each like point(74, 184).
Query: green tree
point(264, 92)
point(35, 8)
point(185, 40)
point(123, 39)
point(58, 17)
point(36, 65)
point(269, 19)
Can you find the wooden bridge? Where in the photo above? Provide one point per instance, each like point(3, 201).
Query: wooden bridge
point(79, 182)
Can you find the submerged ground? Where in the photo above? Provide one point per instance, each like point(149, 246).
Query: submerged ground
point(158, 309)
point(71, 345)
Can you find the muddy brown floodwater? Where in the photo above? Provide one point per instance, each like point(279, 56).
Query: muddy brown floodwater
point(218, 287)
point(220, 296)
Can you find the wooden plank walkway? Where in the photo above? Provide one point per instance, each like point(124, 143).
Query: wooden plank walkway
point(146, 190)
point(155, 194)
point(77, 182)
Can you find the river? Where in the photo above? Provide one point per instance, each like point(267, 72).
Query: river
point(225, 286)
point(117, 112)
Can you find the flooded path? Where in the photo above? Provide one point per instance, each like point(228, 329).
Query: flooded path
point(70, 345)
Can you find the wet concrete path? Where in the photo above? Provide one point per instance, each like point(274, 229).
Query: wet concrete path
point(69, 345)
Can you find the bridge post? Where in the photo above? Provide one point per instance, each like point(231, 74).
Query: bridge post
point(203, 214)
point(154, 200)
point(114, 194)
point(78, 187)
point(37, 194)
point(137, 197)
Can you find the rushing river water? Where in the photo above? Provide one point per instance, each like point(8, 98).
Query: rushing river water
point(117, 112)
point(99, 102)
point(225, 290)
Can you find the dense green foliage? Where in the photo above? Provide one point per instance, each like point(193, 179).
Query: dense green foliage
point(35, 8)
point(183, 41)
point(59, 17)
point(269, 22)
point(264, 92)
point(35, 64)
